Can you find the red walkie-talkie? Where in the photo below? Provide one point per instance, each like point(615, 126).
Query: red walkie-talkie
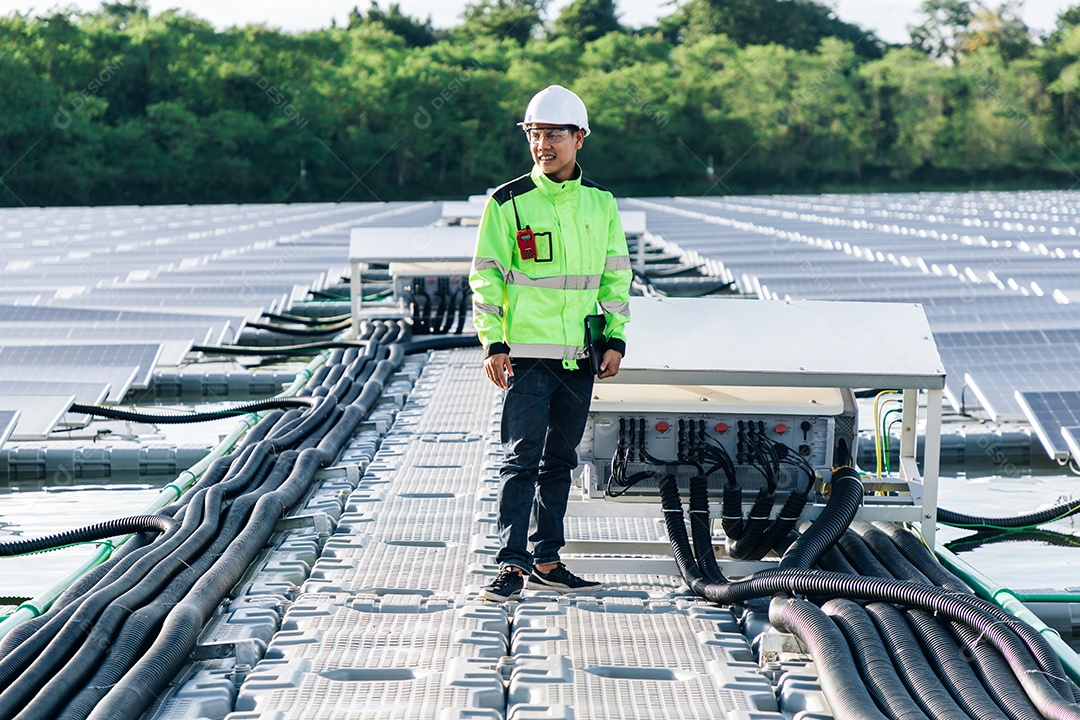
point(526, 238)
point(526, 241)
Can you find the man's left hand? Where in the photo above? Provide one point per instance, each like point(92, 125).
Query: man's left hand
point(609, 366)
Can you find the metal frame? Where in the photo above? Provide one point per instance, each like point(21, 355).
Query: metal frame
point(429, 243)
point(673, 350)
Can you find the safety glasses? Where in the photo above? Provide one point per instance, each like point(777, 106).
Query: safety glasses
point(552, 135)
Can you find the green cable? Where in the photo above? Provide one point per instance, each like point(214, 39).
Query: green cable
point(1048, 597)
point(885, 437)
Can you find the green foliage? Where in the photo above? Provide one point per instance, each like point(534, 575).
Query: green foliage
point(953, 28)
point(587, 20)
point(941, 34)
point(414, 32)
point(1001, 28)
point(1068, 19)
point(123, 106)
point(514, 19)
point(797, 24)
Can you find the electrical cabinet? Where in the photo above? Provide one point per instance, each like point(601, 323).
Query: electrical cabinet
point(801, 429)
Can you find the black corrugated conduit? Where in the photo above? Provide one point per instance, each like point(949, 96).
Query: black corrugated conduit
point(1029, 520)
point(834, 561)
point(836, 667)
point(912, 664)
point(159, 418)
point(920, 556)
point(873, 657)
point(262, 428)
point(224, 470)
point(316, 378)
point(701, 528)
point(782, 525)
point(755, 526)
point(46, 714)
point(59, 635)
point(151, 672)
point(332, 376)
point(306, 320)
point(873, 660)
point(844, 502)
point(952, 667)
point(49, 679)
point(981, 538)
point(306, 330)
point(100, 631)
point(731, 518)
point(1046, 686)
point(996, 674)
point(886, 551)
point(115, 565)
point(89, 682)
point(441, 342)
point(97, 531)
point(913, 549)
point(299, 349)
point(854, 549)
point(443, 318)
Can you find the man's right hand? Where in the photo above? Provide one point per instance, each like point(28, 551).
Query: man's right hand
point(497, 367)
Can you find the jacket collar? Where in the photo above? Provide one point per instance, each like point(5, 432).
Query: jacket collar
point(555, 190)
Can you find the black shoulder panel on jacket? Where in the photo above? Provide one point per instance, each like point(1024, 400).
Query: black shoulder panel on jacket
point(518, 186)
point(586, 182)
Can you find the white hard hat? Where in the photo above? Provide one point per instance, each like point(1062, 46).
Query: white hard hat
point(555, 105)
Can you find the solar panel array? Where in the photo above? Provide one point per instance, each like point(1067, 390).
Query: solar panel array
point(103, 296)
point(997, 273)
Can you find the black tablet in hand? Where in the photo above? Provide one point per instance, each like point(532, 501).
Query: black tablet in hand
point(595, 341)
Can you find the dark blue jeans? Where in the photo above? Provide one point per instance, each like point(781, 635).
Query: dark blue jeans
point(543, 418)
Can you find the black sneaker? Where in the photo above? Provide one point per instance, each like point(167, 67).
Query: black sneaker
point(506, 585)
point(560, 580)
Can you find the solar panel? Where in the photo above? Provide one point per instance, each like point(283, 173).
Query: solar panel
point(72, 315)
point(8, 419)
point(140, 356)
point(1071, 436)
point(91, 393)
point(38, 415)
point(1048, 413)
point(996, 388)
point(119, 379)
point(175, 340)
point(990, 271)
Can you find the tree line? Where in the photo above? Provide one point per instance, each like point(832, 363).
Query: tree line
point(120, 106)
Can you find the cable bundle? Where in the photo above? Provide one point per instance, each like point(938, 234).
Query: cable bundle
point(928, 643)
point(120, 634)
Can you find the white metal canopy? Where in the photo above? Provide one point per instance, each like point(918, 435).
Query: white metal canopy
point(719, 341)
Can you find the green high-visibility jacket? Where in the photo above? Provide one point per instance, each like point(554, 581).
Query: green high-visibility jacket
point(536, 308)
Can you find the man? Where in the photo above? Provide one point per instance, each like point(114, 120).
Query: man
point(550, 249)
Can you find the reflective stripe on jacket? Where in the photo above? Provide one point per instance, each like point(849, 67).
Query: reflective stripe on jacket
point(537, 307)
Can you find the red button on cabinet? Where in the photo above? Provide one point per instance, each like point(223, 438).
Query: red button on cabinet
point(662, 426)
point(721, 427)
point(780, 428)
